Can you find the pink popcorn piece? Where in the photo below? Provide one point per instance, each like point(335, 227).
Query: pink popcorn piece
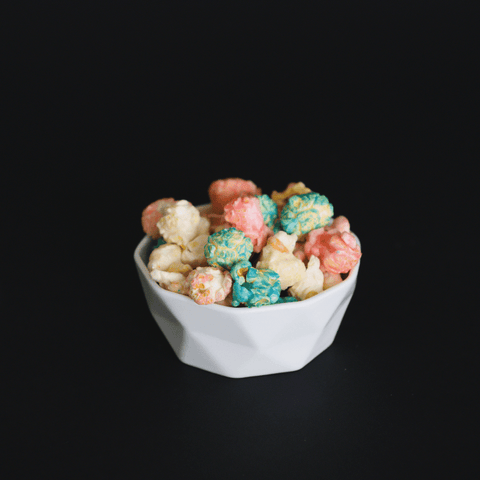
point(224, 191)
point(339, 223)
point(244, 214)
point(299, 252)
point(152, 214)
point(338, 251)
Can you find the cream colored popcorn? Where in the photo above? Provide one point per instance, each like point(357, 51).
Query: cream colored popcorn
point(180, 223)
point(166, 267)
point(173, 281)
point(194, 254)
point(163, 256)
point(312, 282)
point(277, 256)
point(203, 227)
point(206, 285)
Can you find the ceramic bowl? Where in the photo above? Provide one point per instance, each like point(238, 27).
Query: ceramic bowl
point(245, 342)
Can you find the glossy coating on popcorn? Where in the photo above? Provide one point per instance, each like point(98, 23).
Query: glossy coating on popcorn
point(293, 188)
point(152, 214)
point(254, 287)
point(306, 212)
point(338, 251)
point(277, 256)
point(182, 223)
point(269, 210)
point(312, 282)
point(227, 247)
point(224, 191)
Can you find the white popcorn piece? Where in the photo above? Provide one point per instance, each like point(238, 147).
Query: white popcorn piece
point(166, 268)
point(194, 254)
point(277, 256)
point(311, 284)
point(203, 227)
point(206, 285)
point(180, 223)
point(173, 281)
point(163, 256)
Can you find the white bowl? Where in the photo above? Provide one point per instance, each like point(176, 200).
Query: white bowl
point(245, 342)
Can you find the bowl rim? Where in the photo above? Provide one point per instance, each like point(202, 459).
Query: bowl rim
point(241, 310)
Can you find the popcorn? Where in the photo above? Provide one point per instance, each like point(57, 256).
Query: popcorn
point(166, 268)
point(269, 210)
point(292, 189)
point(181, 223)
point(254, 287)
point(152, 214)
point(207, 253)
point(227, 247)
point(162, 257)
point(331, 279)
point(277, 256)
point(194, 253)
point(312, 282)
point(338, 251)
point(222, 192)
point(206, 285)
point(306, 212)
point(244, 213)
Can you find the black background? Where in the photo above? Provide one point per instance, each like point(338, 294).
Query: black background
point(112, 105)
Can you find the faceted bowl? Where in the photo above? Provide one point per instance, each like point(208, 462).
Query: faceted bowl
point(245, 342)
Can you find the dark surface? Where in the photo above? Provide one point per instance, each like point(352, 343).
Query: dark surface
point(117, 105)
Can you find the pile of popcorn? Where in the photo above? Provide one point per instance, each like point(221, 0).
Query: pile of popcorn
point(249, 249)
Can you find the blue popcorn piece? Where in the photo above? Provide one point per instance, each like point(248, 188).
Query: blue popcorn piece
point(269, 210)
point(160, 242)
point(306, 212)
point(254, 287)
point(286, 300)
point(227, 247)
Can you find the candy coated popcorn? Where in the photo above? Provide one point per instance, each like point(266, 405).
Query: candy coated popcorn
point(292, 189)
point(224, 191)
point(152, 214)
point(206, 285)
point(339, 223)
point(163, 256)
point(331, 279)
point(254, 287)
point(338, 251)
point(269, 210)
point(166, 268)
point(312, 282)
point(277, 256)
point(227, 247)
point(207, 252)
point(194, 253)
point(172, 281)
point(286, 300)
point(306, 212)
point(181, 223)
